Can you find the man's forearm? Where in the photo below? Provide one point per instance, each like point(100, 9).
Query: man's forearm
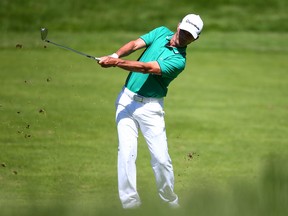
point(143, 67)
point(130, 47)
point(126, 50)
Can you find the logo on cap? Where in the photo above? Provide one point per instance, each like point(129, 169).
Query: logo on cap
point(189, 22)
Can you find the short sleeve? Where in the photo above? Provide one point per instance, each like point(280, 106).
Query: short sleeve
point(152, 35)
point(171, 67)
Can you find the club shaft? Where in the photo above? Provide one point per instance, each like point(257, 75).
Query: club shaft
point(76, 51)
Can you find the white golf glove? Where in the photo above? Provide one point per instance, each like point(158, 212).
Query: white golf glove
point(114, 55)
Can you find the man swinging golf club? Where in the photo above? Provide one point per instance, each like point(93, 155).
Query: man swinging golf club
point(140, 104)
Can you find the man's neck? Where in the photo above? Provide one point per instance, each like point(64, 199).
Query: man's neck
point(172, 42)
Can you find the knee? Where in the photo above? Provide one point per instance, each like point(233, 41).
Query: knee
point(164, 162)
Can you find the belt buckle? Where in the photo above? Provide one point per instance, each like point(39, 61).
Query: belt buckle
point(138, 98)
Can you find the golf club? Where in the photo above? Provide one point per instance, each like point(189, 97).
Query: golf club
point(44, 33)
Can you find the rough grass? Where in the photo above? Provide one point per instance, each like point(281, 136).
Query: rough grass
point(226, 122)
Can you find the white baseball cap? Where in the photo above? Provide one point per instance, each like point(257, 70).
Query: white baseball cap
point(193, 24)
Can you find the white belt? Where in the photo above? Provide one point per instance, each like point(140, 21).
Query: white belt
point(140, 98)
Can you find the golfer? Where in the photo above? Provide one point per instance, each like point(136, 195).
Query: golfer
point(139, 105)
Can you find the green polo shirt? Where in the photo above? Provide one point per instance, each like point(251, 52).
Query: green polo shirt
point(171, 60)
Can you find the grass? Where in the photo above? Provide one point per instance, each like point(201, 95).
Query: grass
point(128, 15)
point(225, 115)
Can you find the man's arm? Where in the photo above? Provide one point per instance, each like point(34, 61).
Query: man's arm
point(130, 47)
point(142, 67)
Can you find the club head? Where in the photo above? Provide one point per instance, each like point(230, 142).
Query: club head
point(44, 33)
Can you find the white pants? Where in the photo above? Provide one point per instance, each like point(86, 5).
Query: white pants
point(148, 116)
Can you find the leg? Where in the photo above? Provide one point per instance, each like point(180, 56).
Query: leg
point(162, 167)
point(153, 128)
point(127, 154)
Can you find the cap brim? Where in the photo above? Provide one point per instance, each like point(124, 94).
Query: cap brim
point(188, 28)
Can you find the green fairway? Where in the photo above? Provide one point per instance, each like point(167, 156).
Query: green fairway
point(226, 119)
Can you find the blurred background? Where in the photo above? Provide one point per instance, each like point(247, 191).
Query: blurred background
point(141, 15)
